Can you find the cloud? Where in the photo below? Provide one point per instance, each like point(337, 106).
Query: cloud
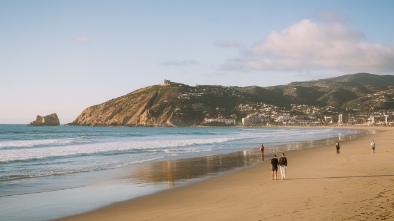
point(82, 40)
point(180, 63)
point(311, 46)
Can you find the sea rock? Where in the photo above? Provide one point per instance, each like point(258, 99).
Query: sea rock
point(49, 120)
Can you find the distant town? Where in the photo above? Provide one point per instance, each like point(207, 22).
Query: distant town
point(262, 114)
point(299, 115)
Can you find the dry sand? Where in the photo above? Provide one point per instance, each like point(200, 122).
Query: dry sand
point(355, 185)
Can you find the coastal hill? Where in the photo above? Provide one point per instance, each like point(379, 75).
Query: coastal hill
point(175, 104)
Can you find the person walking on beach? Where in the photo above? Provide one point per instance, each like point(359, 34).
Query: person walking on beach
point(283, 166)
point(262, 151)
point(373, 146)
point(337, 146)
point(274, 167)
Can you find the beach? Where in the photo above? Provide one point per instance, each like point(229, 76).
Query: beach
point(357, 184)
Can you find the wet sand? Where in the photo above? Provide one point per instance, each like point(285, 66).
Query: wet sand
point(321, 185)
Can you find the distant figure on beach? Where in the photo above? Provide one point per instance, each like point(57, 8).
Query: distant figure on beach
point(274, 166)
point(373, 146)
point(262, 151)
point(337, 146)
point(283, 166)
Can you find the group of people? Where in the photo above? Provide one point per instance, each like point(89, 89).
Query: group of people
point(282, 162)
point(275, 162)
point(338, 147)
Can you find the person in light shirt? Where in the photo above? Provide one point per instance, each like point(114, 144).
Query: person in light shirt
point(373, 146)
point(283, 166)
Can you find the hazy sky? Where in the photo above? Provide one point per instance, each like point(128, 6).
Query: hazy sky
point(62, 56)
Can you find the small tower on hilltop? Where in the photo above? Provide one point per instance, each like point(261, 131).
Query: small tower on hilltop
point(166, 82)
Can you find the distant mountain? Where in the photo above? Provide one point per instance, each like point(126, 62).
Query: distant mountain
point(174, 104)
point(335, 91)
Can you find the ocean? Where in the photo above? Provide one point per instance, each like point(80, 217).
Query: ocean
point(52, 172)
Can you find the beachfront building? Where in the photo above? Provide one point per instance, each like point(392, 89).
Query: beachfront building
point(376, 120)
point(390, 120)
point(381, 120)
point(328, 120)
point(221, 120)
point(340, 119)
point(251, 120)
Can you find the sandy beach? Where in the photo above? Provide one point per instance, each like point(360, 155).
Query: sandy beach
point(321, 185)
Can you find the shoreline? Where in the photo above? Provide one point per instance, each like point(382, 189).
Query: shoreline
point(210, 198)
point(77, 193)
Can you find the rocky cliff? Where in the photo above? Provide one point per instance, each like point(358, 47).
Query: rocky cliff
point(151, 106)
point(49, 120)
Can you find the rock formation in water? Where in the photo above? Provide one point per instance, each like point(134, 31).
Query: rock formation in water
point(49, 120)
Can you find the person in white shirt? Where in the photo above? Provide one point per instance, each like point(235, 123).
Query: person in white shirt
point(373, 146)
point(283, 166)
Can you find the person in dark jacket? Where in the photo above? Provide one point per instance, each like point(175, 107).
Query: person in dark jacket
point(274, 167)
point(262, 152)
point(283, 165)
point(337, 146)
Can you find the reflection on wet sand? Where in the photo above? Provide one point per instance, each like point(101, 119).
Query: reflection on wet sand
point(171, 171)
point(315, 143)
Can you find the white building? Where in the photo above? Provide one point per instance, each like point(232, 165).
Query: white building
point(219, 120)
point(328, 119)
point(340, 119)
point(250, 120)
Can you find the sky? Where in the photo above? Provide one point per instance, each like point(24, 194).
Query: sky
point(66, 55)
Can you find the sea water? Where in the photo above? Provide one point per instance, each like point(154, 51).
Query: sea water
point(52, 172)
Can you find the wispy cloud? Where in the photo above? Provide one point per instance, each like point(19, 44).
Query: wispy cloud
point(82, 40)
point(180, 63)
point(329, 15)
point(313, 46)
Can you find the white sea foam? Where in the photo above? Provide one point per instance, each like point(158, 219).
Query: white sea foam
point(96, 148)
point(167, 144)
point(39, 143)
